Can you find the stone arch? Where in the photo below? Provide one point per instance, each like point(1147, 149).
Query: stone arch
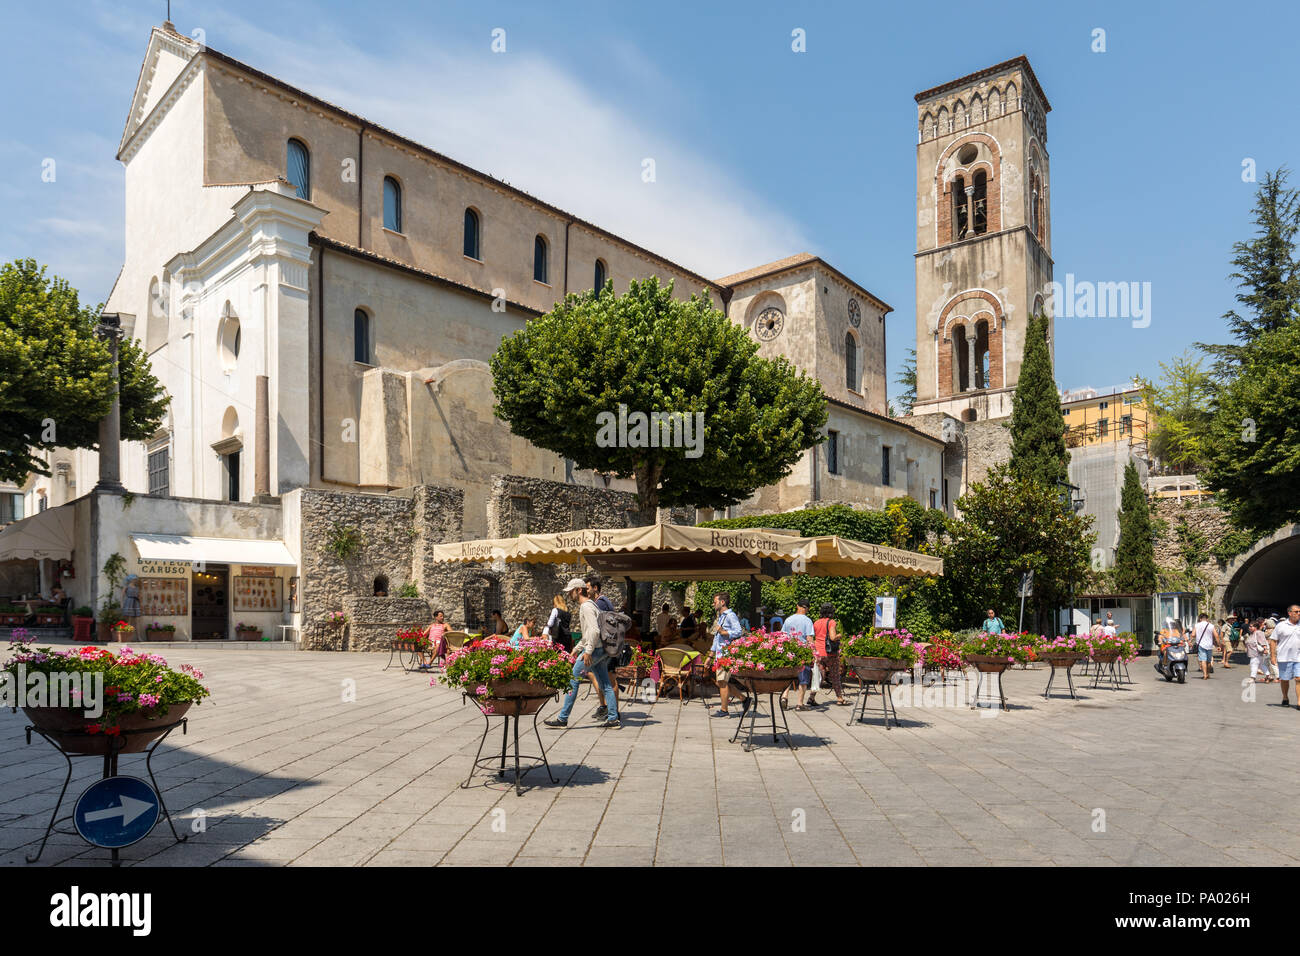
point(1013, 96)
point(944, 176)
point(949, 357)
point(1265, 574)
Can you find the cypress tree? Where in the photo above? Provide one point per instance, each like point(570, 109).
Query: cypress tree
point(1135, 563)
point(1037, 425)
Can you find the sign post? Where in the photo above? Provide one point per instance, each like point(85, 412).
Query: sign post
point(1026, 589)
point(116, 812)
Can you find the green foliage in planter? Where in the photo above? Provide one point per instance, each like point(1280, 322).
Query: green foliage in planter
point(84, 611)
point(343, 541)
point(131, 680)
point(408, 590)
point(110, 613)
point(893, 645)
point(538, 660)
point(1010, 647)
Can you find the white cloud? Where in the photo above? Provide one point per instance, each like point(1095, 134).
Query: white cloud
point(526, 120)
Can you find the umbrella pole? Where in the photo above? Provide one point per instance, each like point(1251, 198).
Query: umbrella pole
point(755, 599)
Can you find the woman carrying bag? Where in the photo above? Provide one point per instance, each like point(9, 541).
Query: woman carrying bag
point(827, 640)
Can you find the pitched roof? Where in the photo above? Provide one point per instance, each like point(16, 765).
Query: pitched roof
point(1018, 61)
point(795, 262)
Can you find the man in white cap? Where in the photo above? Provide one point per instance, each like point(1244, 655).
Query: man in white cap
point(591, 658)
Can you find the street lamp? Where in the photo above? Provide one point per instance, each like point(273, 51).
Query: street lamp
point(1071, 503)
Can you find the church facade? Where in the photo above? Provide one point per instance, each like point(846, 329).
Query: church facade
point(320, 297)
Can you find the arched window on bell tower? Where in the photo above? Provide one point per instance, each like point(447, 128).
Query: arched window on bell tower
point(979, 199)
point(960, 217)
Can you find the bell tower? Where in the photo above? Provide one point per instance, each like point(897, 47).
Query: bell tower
point(983, 237)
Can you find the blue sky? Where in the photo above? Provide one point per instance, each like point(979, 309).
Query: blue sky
point(760, 152)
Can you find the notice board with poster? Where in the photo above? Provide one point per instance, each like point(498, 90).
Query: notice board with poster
point(257, 593)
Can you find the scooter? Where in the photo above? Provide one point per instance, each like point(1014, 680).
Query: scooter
point(1173, 666)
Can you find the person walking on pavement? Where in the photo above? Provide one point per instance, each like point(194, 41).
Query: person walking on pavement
point(726, 628)
point(1287, 637)
point(827, 639)
point(592, 658)
point(801, 626)
point(1205, 640)
point(992, 623)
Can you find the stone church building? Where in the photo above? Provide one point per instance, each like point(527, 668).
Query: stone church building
point(320, 297)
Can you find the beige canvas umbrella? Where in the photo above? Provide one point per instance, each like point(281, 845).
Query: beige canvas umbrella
point(661, 552)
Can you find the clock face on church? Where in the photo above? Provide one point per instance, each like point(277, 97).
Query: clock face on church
point(769, 324)
point(855, 313)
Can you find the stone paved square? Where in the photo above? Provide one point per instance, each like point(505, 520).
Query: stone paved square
point(286, 772)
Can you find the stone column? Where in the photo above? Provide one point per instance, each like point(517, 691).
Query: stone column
point(970, 359)
point(110, 426)
point(262, 450)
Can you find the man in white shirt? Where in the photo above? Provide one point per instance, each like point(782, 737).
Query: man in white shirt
point(1204, 637)
point(1287, 636)
point(591, 658)
point(801, 626)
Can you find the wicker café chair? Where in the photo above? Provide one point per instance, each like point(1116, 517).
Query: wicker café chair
point(675, 665)
point(455, 640)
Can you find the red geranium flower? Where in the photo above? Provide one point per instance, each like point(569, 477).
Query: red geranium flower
point(92, 728)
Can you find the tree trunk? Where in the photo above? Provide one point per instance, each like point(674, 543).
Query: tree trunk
point(647, 491)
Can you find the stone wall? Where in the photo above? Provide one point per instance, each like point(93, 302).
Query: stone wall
point(384, 525)
point(374, 621)
point(397, 534)
point(1203, 517)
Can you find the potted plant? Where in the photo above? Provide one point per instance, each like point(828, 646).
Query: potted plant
point(11, 616)
point(143, 696)
point(941, 655)
point(1107, 650)
point(247, 632)
point(50, 616)
point(336, 618)
point(994, 653)
point(159, 632)
point(109, 614)
point(505, 679)
point(83, 618)
point(122, 629)
point(877, 655)
point(765, 660)
point(1064, 650)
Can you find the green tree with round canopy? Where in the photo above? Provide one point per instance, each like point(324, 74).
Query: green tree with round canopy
point(56, 379)
point(574, 380)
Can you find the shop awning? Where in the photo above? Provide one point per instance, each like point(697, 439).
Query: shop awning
point(48, 534)
point(686, 553)
point(190, 549)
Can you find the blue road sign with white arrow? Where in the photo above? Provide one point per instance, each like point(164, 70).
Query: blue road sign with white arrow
point(116, 811)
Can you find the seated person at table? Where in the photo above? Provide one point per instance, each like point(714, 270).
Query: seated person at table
point(499, 625)
point(666, 626)
point(525, 631)
point(437, 640)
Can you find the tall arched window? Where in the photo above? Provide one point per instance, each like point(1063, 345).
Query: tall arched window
point(539, 259)
point(980, 201)
point(392, 204)
point(1033, 204)
point(850, 362)
point(297, 167)
point(601, 276)
point(960, 220)
point(471, 234)
point(361, 336)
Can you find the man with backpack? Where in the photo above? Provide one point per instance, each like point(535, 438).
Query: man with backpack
point(593, 657)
